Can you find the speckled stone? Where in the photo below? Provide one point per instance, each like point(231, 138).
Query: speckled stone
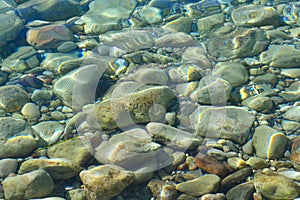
point(105, 182)
point(268, 142)
point(228, 122)
point(275, 186)
point(35, 184)
point(205, 184)
point(12, 98)
point(58, 168)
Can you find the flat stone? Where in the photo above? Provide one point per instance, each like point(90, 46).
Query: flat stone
point(133, 108)
point(58, 168)
point(35, 184)
point(206, 24)
point(73, 149)
point(197, 55)
point(292, 114)
point(132, 149)
point(291, 72)
point(41, 96)
point(205, 184)
point(17, 138)
point(150, 76)
point(13, 98)
point(276, 186)
point(292, 93)
point(105, 182)
point(8, 166)
point(236, 177)
point(235, 73)
point(243, 191)
point(212, 165)
point(181, 24)
point(269, 142)
point(218, 196)
point(212, 90)
point(49, 10)
point(49, 37)
point(185, 73)
point(288, 125)
point(106, 15)
point(268, 78)
point(228, 122)
point(255, 15)
point(295, 175)
point(224, 44)
point(286, 56)
point(49, 131)
point(151, 15)
point(172, 136)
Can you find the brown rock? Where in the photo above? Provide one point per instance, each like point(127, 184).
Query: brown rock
point(49, 37)
point(162, 190)
point(236, 177)
point(212, 165)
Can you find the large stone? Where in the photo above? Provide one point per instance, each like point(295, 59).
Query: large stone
point(49, 10)
point(274, 186)
point(132, 149)
point(72, 149)
point(172, 136)
point(106, 15)
point(281, 56)
point(49, 37)
point(128, 109)
point(255, 15)
point(207, 24)
point(205, 184)
point(293, 114)
point(104, 182)
point(269, 142)
point(35, 184)
point(243, 191)
point(258, 103)
point(226, 122)
point(241, 42)
point(8, 166)
point(49, 131)
point(292, 93)
point(10, 26)
point(212, 90)
point(235, 73)
point(13, 98)
point(58, 168)
point(17, 138)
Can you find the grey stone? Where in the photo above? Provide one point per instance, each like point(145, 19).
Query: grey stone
point(236, 177)
point(99, 18)
point(13, 98)
point(49, 10)
point(35, 184)
point(212, 90)
point(275, 186)
point(41, 96)
point(291, 72)
point(203, 185)
point(172, 136)
point(151, 15)
point(255, 15)
point(208, 23)
point(292, 114)
point(17, 138)
point(228, 122)
point(235, 73)
point(8, 166)
point(292, 93)
point(73, 149)
point(132, 149)
point(31, 111)
point(67, 47)
point(288, 125)
point(181, 24)
point(285, 56)
point(10, 26)
point(185, 73)
point(257, 163)
point(243, 191)
point(225, 43)
point(268, 142)
point(258, 103)
point(150, 76)
point(197, 55)
point(49, 131)
point(123, 110)
point(104, 182)
point(58, 168)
